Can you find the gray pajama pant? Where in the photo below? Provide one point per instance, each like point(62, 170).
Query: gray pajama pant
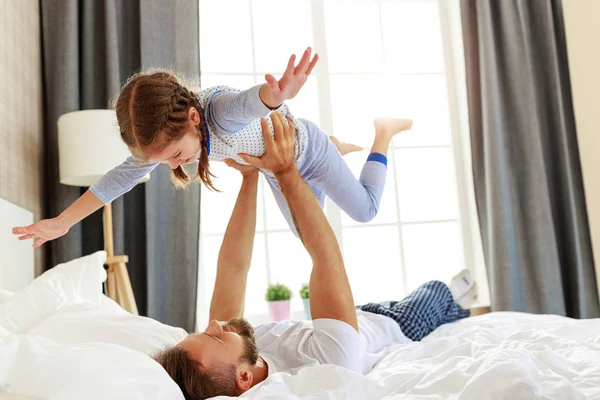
point(327, 174)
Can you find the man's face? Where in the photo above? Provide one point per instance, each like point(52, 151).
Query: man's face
point(231, 344)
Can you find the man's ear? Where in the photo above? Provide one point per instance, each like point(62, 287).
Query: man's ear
point(244, 380)
point(194, 115)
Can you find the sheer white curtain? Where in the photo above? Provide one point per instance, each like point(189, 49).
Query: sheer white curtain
point(378, 58)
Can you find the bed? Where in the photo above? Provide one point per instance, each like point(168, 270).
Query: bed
point(61, 338)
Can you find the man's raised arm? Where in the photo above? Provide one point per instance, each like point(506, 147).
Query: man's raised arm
point(236, 251)
point(330, 293)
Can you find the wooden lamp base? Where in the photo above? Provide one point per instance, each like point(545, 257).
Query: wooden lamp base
point(118, 284)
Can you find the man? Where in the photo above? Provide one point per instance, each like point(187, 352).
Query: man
point(231, 358)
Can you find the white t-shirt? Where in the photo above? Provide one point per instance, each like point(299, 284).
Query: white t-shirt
point(290, 345)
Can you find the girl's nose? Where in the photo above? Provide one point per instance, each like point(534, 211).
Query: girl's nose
point(174, 163)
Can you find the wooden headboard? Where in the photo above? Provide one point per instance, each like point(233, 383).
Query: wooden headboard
point(17, 267)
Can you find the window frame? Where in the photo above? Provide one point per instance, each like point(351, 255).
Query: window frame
point(459, 145)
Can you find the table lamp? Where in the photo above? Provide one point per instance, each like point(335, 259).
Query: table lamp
point(89, 145)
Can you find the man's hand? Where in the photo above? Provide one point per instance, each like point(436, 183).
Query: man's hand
point(287, 87)
point(245, 170)
point(280, 146)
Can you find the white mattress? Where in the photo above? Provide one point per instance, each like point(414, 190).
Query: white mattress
point(61, 338)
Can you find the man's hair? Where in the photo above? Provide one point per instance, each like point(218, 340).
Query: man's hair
point(195, 383)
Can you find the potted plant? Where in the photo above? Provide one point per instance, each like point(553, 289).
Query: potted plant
point(305, 301)
point(278, 298)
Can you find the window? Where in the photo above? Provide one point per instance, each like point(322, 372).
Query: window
point(378, 57)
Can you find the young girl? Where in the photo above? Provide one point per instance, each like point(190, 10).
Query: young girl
point(162, 121)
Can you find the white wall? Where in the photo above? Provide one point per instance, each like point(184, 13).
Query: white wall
point(583, 46)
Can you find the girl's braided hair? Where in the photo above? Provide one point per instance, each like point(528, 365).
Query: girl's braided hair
point(152, 111)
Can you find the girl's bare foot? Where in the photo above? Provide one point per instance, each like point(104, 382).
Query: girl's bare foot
point(343, 147)
point(392, 126)
point(385, 129)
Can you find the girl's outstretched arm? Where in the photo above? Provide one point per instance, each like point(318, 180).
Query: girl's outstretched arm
point(113, 184)
point(230, 111)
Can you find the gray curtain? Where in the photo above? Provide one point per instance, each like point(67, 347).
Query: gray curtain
point(526, 168)
point(90, 47)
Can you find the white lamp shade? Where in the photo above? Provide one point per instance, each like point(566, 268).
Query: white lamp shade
point(89, 145)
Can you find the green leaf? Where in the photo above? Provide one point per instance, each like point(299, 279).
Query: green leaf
point(304, 291)
point(278, 292)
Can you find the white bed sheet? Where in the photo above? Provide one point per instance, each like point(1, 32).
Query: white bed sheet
point(494, 356)
point(61, 338)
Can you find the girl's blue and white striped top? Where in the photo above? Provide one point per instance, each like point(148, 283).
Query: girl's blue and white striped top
point(233, 124)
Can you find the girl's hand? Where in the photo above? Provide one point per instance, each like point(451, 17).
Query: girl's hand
point(245, 170)
point(292, 80)
point(45, 230)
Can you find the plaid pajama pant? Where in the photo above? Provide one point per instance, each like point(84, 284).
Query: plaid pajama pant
point(422, 311)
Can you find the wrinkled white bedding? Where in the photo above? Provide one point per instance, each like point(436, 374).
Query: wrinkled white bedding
point(61, 338)
point(495, 356)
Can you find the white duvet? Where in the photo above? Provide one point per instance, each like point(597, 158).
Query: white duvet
point(62, 339)
point(495, 356)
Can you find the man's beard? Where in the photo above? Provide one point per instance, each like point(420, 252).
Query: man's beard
point(246, 331)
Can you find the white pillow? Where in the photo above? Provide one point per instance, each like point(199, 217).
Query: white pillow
point(62, 339)
point(107, 323)
point(77, 281)
point(66, 305)
point(34, 366)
